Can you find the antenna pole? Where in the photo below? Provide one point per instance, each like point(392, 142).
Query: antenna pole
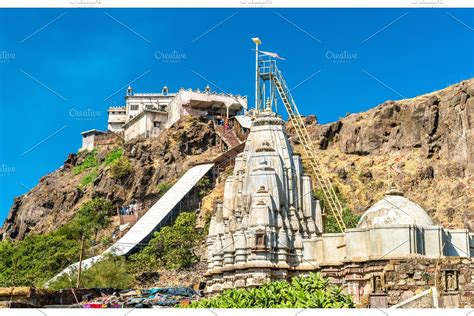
point(257, 42)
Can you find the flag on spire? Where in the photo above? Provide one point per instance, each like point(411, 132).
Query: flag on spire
point(274, 55)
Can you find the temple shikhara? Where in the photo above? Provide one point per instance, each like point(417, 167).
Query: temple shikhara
point(268, 211)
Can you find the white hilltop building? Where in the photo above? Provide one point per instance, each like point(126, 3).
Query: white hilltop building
point(148, 114)
point(269, 227)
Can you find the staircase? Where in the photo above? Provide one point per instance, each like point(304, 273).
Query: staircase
point(269, 71)
point(227, 135)
point(159, 215)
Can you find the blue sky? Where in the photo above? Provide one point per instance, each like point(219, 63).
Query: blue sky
point(55, 63)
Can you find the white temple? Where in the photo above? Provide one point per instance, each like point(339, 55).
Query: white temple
point(268, 209)
point(269, 227)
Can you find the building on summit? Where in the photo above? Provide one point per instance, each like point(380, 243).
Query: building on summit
point(148, 114)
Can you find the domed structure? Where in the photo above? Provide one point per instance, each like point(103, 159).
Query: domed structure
point(394, 209)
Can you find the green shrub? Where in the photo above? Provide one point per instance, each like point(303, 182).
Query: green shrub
point(163, 187)
point(349, 218)
point(171, 247)
point(330, 224)
point(113, 155)
point(312, 291)
point(121, 168)
point(90, 161)
point(89, 178)
point(37, 258)
point(106, 241)
point(112, 272)
point(204, 186)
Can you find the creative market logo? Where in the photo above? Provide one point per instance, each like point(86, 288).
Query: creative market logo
point(84, 115)
point(256, 3)
point(5, 57)
point(343, 57)
point(170, 57)
point(6, 170)
point(85, 3)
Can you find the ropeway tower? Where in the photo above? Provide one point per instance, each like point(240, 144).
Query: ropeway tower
point(269, 82)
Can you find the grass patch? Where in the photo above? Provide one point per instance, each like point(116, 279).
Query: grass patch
point(113, 156)
point(90, 161)
point(90, 177)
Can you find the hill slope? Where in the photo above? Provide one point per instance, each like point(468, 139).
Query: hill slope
point(425, 145)
point(57, 197)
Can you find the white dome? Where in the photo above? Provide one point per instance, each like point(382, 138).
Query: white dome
point(394, 209)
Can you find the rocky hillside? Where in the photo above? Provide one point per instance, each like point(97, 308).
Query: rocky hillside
point(425, 145)
point(58, 196)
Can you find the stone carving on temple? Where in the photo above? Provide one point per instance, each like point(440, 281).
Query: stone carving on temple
point(378, 284)
point(450, 278)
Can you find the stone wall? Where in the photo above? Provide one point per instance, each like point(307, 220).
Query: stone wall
point(385, 283)
point(32, 297)
point(453, 277)
point(107, 139)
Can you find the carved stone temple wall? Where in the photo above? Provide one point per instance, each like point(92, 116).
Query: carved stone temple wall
point(269, 228)
point(257, 232)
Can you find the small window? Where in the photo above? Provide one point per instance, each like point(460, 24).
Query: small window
point(134, 107)
point(157, 124)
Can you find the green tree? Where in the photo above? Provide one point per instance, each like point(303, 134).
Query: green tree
point(37, 258)
point(92, 217)
point(312, 291)
point(171, 247)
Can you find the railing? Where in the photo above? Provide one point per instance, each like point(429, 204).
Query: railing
point(227, 158)
point(130, 215)
point(269, 71)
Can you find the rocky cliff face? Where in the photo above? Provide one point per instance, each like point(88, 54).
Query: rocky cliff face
point(58, 196)
point(425, 145)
